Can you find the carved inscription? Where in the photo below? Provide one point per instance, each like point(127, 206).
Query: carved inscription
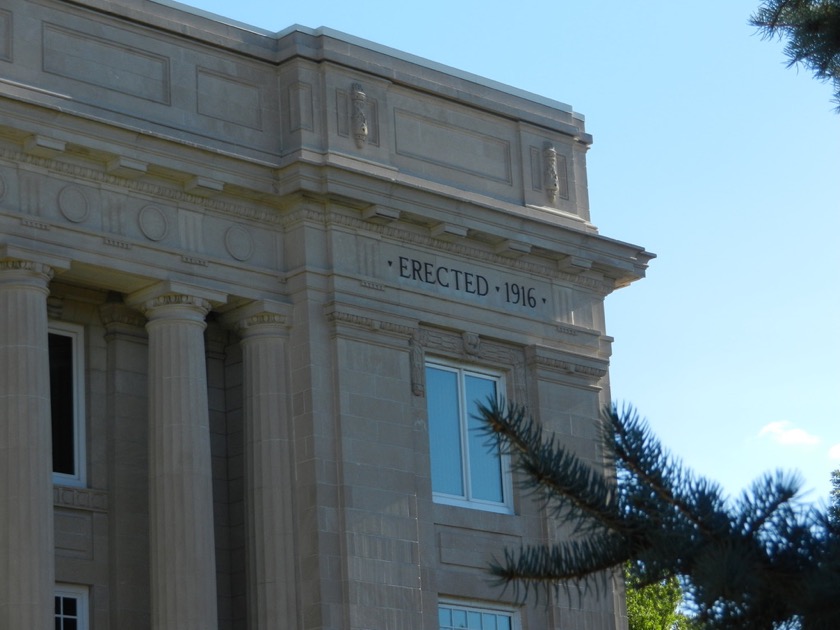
point(446, 277)
point(449, 279)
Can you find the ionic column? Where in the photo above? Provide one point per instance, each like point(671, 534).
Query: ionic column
point(182, 545)
point(26, 493)
point(269, 509)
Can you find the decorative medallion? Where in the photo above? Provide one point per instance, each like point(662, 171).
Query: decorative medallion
point(73, 204)
point(239, 243)
point(153, 223)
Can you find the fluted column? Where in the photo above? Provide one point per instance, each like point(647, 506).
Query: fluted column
point(269, 509)
point(182, 544)
point(26, 500)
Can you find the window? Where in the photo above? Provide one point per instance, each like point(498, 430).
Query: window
point(67, 403)
point(467, 468)
point(451, 616)
point(71, 607)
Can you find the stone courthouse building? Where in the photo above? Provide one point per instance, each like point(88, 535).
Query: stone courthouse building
point(250, 286)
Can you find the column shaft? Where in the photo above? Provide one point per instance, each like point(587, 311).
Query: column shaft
point(182, 544)
point(27, 563)
point(268, 480)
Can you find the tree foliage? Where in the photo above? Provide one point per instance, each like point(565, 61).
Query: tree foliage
point(811, 30)
point(654, 606)
point(834, 506)
point(762, 560)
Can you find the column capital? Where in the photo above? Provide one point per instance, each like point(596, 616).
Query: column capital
point(168, 298)
point(152, 306)
point(22, 266)
point(259, 318)
point(26, 268)
point(118, 318)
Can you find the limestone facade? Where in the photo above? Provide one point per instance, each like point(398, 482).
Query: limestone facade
point(247, 282)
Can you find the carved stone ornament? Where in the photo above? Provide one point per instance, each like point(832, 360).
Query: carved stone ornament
point(472, 343)
point(550, 175)
point(418, 365)
point(359, 117)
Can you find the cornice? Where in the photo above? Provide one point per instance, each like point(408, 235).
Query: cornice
point(275, 216)
point(464, 250)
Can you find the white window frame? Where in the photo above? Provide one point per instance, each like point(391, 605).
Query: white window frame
point(82, 596)
point(77, 334)
point(506, 505)
point(480, 607)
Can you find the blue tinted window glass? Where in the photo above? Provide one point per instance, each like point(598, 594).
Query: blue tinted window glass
point(459, 619)
point(444, 431)
point(485, 463)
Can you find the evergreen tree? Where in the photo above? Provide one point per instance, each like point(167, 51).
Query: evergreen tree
point(761, 561)
point(811, 29)
point(834, 507)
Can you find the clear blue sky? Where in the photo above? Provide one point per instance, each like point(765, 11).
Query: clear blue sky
point(708, 152)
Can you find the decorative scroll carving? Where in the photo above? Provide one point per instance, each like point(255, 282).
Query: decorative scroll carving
point(550, 175)
point(520, 390)
point(418, 365)
point(359, 116)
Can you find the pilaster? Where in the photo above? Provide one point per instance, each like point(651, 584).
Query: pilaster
point(128, 463)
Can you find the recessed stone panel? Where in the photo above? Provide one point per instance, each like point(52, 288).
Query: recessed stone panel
point(74, 533)
point(5, 35)
point(79, 56)
point(228, 99)
point(472, 548)
point(449, 146)
point(300, 107)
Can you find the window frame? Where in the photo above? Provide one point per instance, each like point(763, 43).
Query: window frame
point(81, 594)
point(467, 500)
point(76, 333)
point(480, 607)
